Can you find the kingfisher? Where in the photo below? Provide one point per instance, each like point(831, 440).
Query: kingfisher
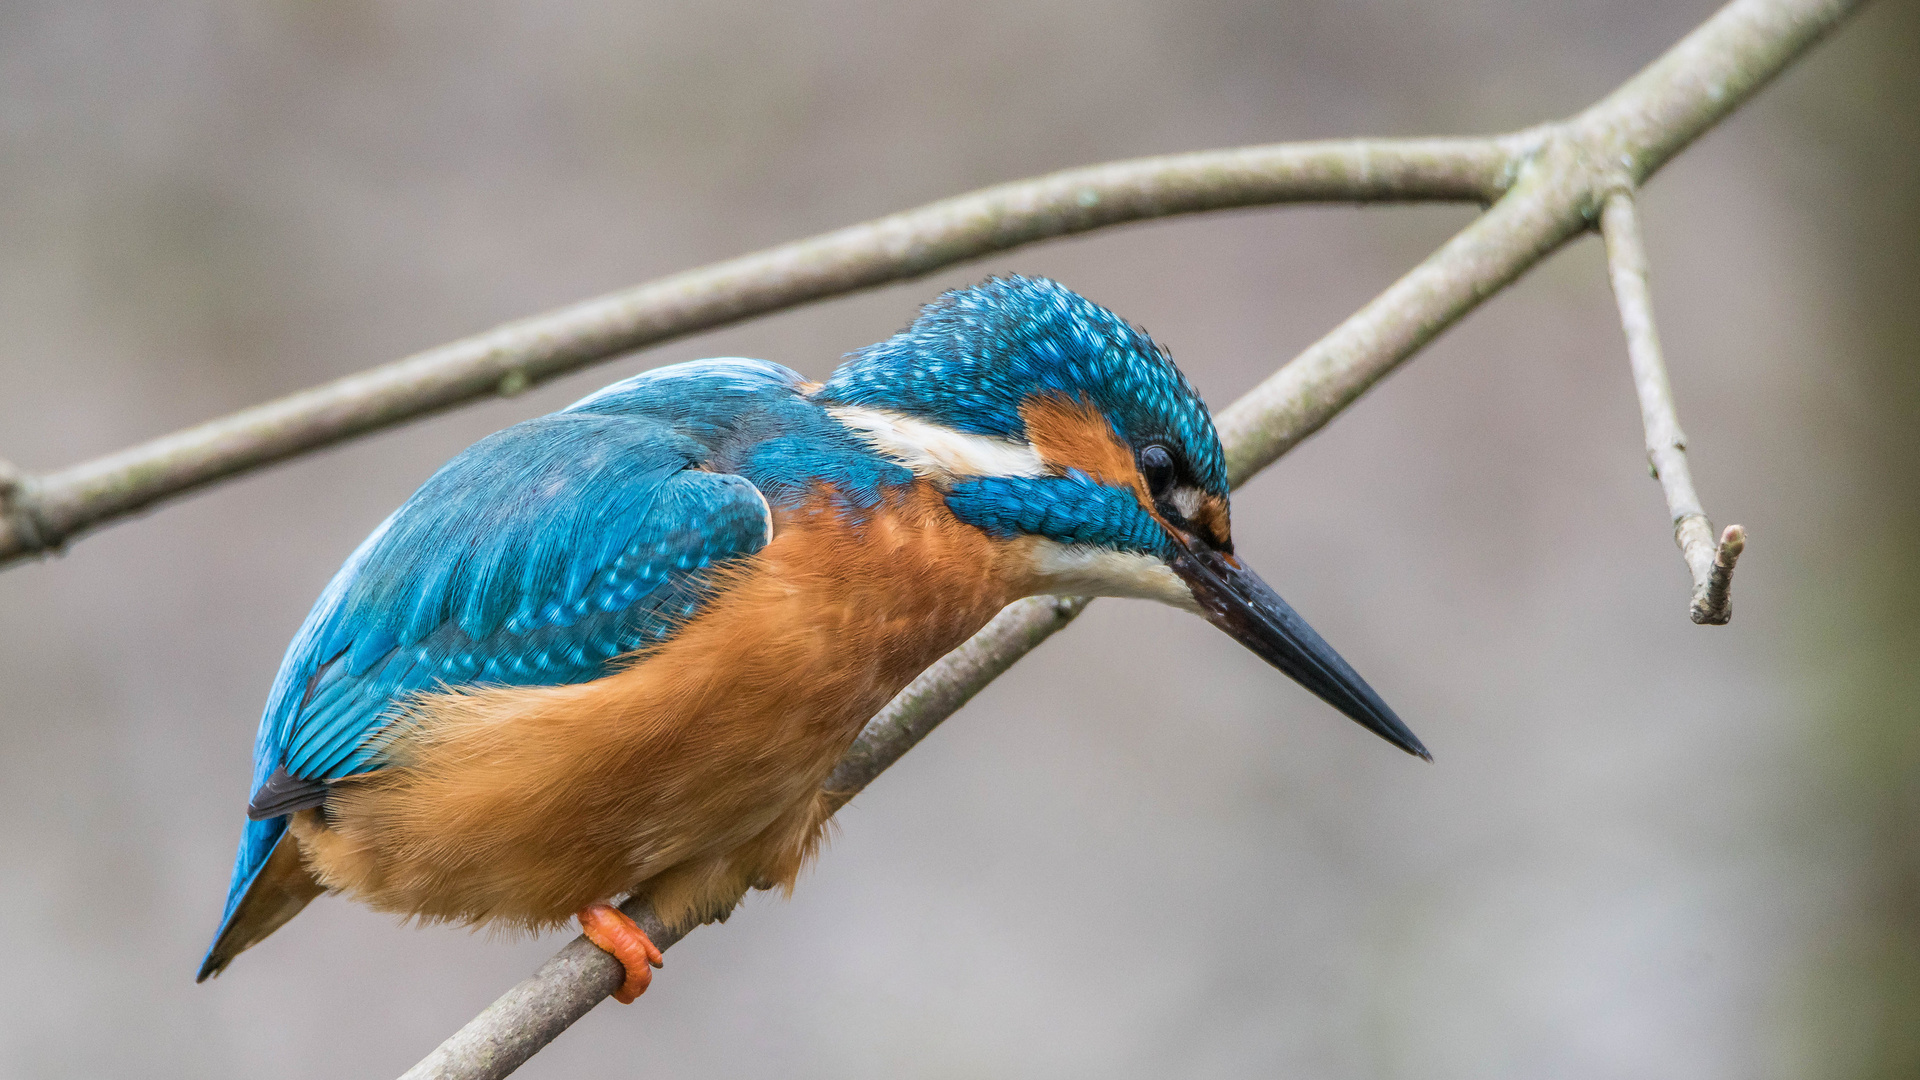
point(615, 650)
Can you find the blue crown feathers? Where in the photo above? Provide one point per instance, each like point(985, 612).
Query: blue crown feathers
point(975, 355)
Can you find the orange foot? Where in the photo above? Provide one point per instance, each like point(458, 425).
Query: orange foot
point(608, 927)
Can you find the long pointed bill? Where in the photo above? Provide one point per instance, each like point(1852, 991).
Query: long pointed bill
point(1237, 601)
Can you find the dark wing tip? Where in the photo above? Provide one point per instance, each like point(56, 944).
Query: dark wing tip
point(278, 890)
point(283, 794)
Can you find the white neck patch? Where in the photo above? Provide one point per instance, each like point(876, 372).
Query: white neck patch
point(1085, 570)
point(935, 451)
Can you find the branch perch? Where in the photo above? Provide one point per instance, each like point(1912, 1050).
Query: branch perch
point(1561, 176)
point(1711, 565)
point(53, 509)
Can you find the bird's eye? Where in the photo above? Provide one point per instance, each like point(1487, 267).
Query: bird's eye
point(1156, 465)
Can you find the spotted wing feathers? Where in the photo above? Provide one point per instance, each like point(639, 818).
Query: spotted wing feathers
point(538, 557)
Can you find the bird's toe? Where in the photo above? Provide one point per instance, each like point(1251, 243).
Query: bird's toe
point(610, 928)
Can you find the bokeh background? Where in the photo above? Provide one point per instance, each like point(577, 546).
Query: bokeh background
point(1647, 848)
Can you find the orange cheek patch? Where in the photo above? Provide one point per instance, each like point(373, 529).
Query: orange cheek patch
point(1211, 519)
point(1070, 434)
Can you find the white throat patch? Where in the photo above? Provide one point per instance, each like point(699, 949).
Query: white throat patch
point(1085, 570)
point(935, 451)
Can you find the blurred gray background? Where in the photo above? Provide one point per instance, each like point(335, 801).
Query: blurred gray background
point(1648, 849)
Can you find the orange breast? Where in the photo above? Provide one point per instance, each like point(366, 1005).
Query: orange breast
point(699, 764)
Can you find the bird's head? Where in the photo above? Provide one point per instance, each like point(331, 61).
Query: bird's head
point(1049, 421)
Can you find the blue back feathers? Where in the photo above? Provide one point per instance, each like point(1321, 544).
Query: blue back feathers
point(751, 419)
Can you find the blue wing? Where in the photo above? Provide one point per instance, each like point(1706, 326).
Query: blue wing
point(538, 556)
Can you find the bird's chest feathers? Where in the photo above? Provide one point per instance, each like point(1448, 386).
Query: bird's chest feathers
point(817, 631)
point(756, 697)
point(693, 749)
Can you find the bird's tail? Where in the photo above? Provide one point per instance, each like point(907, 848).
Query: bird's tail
point(263, 901)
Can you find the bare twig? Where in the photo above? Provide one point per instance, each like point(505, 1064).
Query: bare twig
point(511, 358)
point(1710, 564)
point(1567, 171)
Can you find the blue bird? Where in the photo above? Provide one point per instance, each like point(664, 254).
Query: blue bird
point(616, 649)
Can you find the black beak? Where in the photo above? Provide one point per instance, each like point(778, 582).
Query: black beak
point(1237, 601)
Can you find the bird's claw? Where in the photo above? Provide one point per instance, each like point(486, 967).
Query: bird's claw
point(610, 928)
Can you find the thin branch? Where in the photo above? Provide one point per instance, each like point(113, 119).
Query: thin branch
point(55, 508)
point(940, 690)
point(1569, 170)
point(1710, 564)
point(1625, 137)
